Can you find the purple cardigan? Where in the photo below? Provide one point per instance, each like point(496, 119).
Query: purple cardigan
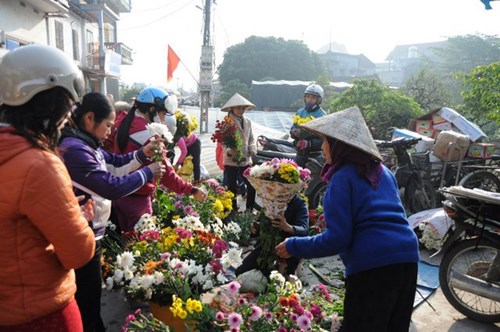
point(102, 176)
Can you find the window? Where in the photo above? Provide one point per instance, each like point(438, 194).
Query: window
point(59, 35)
point(76, 44)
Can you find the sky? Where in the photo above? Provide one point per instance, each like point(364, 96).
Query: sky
point(368, 27)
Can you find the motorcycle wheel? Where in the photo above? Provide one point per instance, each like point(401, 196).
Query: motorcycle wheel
point(481, 179)
point(464, 259)
point(316, 197)
point(419, 197)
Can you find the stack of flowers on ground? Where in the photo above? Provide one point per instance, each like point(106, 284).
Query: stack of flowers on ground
point(161, 263)
point(284, 306)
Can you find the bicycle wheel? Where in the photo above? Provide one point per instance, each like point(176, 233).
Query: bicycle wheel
point(462, 277)
point(419, 195)
point(481, 179)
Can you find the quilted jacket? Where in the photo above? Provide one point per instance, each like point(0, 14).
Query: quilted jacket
point(43, 235)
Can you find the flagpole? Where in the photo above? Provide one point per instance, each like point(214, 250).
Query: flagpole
point(197, 83)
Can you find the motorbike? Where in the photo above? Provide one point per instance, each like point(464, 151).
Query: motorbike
point(469, 272)
point(410, 173)
point(280, 148)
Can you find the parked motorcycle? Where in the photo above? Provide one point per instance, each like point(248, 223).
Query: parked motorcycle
point(280, 148)
point(469, 272)
point(411, 176)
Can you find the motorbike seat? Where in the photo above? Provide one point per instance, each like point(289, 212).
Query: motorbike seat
point(275, 154)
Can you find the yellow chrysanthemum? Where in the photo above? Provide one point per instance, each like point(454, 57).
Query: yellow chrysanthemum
point(218, 206)
point(298, 120)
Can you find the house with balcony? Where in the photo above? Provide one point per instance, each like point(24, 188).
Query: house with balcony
point(84, 29)
point(406, 60)
point(344, 67)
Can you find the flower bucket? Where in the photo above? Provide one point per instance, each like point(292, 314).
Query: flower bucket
point(164, 314)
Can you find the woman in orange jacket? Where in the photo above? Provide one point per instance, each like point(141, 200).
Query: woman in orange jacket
point(43, 234)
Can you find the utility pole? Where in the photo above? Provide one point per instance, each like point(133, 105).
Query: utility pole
point(206, 66)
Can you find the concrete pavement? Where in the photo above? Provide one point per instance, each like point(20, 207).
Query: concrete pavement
point(438, 318)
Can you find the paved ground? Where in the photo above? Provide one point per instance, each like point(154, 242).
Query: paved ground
point(436, 316)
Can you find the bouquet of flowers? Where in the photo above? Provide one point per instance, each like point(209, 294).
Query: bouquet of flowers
point(227, 134)
point(285, 306)
point(297, 132)
point(159, 133)
point(164, 262)
point(276, 182)
point(186, 124)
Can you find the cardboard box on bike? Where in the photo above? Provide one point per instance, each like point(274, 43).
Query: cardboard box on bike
point(454, 151)
point(456, 119)
point(425, 143)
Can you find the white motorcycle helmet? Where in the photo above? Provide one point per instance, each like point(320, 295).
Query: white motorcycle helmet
point(171, 104)
point(315, 90)
point(31, 69)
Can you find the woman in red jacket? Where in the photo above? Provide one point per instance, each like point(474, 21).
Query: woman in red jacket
point(132, 134)
point(43, 235)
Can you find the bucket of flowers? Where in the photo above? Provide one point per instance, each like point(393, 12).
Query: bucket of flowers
point(181, 262)
point(276, 182)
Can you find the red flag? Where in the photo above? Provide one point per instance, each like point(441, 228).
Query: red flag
point(172, 61)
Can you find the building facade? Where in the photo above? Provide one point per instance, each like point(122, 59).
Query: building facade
point(84, 29)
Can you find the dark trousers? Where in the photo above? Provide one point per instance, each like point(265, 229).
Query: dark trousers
point(195, 151)
point(380, 299)
point(88, 292)
point(250, 263)
point(231, 176)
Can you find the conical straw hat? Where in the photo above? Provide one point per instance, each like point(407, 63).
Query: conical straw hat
point(237, 100)
point(347, 126)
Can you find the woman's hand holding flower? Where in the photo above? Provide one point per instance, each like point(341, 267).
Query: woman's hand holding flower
point(280, 222)
point(158, 169)
point(199, 194)
point(281, 250)
point(154, 148)
point(87, 208)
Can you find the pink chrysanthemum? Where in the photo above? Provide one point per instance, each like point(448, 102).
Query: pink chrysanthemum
point(234, 319)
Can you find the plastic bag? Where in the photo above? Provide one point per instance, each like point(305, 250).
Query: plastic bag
point(252, 281)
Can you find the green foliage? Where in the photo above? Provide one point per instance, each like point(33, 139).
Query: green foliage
point(462, 53)
point(427, 90)
point(230, 88)
point(481, 94)
point(381, 107)
point(126, 93)
point(260, 57)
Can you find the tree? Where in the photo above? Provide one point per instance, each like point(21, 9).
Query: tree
point(230, 89)
point(381, 107)
point(461, 54)
point(126, 93)
point(481, 93)
point(260, 57)
point(427, 90)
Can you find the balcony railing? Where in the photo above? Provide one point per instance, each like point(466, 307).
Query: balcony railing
point(123, 50)
point(119, 6)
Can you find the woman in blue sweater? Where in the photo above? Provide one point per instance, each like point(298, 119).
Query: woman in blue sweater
point(102, 177)
point(365, 224)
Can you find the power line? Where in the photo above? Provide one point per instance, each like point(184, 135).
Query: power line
point(159, 19)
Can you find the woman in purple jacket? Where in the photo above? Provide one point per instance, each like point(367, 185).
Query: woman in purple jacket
point(102, 177)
